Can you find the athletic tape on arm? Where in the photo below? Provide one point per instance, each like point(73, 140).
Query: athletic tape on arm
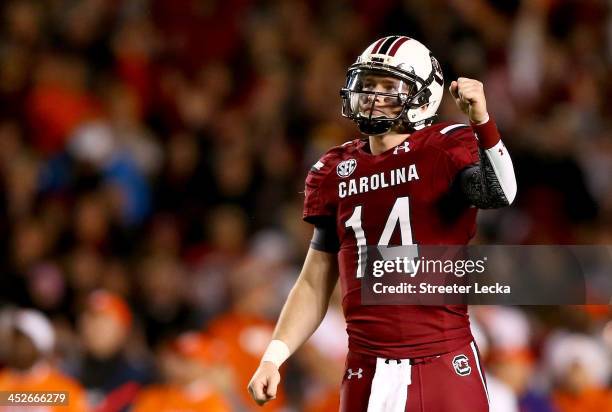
point(277, 353)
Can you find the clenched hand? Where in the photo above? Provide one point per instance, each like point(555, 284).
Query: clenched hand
point(470, 98)
point(264, 383)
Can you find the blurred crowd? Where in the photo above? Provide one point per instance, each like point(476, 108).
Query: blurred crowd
point(152, 160)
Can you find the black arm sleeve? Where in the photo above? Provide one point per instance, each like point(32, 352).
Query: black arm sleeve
point(481, 186)
point(325, 238)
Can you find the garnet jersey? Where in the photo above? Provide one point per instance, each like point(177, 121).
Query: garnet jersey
point(398, 197)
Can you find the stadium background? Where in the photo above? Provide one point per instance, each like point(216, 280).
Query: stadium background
point(156, 150)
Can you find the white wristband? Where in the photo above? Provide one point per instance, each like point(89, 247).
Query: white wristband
point(277, 353)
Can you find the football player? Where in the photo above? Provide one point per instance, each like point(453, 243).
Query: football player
point(392, 188)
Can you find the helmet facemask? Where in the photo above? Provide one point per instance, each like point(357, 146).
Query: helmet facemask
point(376, 100)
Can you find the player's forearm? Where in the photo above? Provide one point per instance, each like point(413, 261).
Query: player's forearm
point(306, 305)
point(492, 183)
point(301, 315)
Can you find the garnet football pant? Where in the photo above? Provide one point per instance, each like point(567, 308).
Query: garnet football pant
point(453, 382)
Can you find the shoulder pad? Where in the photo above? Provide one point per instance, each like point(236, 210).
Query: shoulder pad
point(440, 131)
point(330, 159)
point(443, 128)
point(449, 129)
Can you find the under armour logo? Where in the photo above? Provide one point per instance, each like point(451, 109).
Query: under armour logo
point(359, 373)
point(404, 146)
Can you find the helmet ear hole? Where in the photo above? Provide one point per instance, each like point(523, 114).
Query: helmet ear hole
point(424, 97)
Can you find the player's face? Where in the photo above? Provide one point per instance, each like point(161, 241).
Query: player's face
point(381, 98)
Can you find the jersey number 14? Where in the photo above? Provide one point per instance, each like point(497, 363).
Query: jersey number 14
point(400, 213)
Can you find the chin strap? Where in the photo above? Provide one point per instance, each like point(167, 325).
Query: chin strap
point(373, 127)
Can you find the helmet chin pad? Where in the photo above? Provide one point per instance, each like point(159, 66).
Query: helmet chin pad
point(373, 127)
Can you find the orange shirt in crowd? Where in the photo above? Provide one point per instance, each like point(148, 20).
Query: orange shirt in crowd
point(169, 398)
point(328, 401)
point(246, 338)
point(39, 379)
point(591, 400)
point(54, 114)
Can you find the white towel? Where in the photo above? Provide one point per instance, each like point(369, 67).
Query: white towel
point(390, 386)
